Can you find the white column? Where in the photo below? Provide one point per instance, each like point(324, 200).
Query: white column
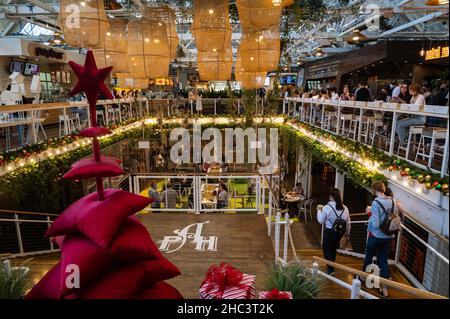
point(340, 182)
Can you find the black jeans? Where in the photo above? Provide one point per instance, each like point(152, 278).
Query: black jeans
point(330, 245)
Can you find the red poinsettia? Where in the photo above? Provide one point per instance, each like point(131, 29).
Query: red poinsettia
point(276, 294)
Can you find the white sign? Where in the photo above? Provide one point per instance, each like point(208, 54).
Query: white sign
point(182, 237)
point(144, 145)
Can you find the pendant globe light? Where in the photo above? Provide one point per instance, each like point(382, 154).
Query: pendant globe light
point(248, 80)
point(166, 16)
point(260, 50)
point(215, 65)
point(83, 23)
point(148, 49)
point(115, 51)
point(211, 25)
point(260, 13)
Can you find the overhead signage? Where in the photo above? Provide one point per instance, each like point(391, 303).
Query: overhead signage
point(323, 71)
point(436, 53)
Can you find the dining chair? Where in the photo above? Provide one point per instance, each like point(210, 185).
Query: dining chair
point(306, 209)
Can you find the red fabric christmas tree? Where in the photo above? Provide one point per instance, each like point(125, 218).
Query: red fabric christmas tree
point(106, 252)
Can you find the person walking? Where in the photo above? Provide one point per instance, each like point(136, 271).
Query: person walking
point(379, 239)
point(336, 219)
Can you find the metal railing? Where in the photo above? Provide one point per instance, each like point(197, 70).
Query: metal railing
point(420, 293)
point(417, 252)
point(364, 130)
point(199, 193)
point(22, 233)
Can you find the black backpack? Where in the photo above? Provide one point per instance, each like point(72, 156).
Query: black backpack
point(339, 224)
point(391, 222)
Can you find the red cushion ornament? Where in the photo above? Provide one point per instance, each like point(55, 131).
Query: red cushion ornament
point(132, 242)
point(124, 281)
point(89, 168)
point(48, 286)
point(95, 131)
point(98, 220)
point(90, 258)
point(161, 290)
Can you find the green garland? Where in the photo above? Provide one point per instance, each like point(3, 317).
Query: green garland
point(355, 172)
point(392, 163)
point(39, 187)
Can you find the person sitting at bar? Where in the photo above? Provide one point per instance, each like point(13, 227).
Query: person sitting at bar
point(154, 194)
point(169, 197)
point(363, 93)
point(222, 197)
point(346, 96)
point(403, 96)
point(411, 120)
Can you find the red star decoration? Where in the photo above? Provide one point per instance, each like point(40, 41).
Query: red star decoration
point(91, 81)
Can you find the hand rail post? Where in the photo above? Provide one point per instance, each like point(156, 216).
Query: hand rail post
point(19, 235)
point(285, 243)
point(277, 236)
point(394, 124)
point(48, 226)
point(398, 246)
point(269, 218)
point(356, 289)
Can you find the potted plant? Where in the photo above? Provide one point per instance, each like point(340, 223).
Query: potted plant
point(295, 278)
point(14, 281)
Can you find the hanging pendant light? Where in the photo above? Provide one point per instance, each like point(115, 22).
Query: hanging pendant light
point(216, 65)
point(83, 26)
point(260, 51)
point(166, 16)
point(114, 53)
point(248, 80)
point(260, 13)
point(319, 53)
point(148, 49)
point(57, 39)
point(422, 52)
point(211, 25)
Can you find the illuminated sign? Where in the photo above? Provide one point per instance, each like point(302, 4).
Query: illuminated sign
point(436, 53)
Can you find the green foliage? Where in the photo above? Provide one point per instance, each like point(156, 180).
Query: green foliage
point(295, 278)
point(14, 283)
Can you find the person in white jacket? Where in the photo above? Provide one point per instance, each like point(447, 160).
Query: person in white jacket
point(333, 210)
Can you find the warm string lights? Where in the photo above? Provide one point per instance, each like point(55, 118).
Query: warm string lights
point(56, 151)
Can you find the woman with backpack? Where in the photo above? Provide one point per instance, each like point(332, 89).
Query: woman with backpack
point(384, 222)
point(336, 217)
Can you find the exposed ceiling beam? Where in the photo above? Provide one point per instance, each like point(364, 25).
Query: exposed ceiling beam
point(425, 18)
point(7, 29)
point(43, 5)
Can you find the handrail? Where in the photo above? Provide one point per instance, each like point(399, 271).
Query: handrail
point(411, 290)
point(26, 213)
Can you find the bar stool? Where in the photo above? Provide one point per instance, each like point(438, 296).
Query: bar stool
point(64, 124)
point(413, 131)
point(100, 114)
point(367, 125)
point(432, 134)
point(352, 125)
point(75, 123)
point(113, 114)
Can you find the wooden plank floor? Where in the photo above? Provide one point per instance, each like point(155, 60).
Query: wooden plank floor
point(242, 242)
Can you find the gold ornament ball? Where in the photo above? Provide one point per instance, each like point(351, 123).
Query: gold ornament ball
point(428, 178)
point(428, 185)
